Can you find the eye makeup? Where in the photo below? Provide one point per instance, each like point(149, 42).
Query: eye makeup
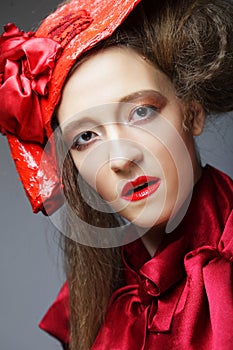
point(83, 140)
point(141, 106)
point(138, 107)
point(147, 97)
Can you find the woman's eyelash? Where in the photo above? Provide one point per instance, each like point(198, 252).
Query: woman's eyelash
point(143, 112)
point(78, 147)
point(79, 144)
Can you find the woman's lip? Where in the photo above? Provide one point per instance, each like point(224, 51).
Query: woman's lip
point(140, 188)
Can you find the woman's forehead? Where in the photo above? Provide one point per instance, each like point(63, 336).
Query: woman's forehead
point(113, 75)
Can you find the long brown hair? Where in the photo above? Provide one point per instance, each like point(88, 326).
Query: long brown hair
point(192, 42)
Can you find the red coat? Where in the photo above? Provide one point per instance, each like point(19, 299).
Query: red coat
point(182, 298)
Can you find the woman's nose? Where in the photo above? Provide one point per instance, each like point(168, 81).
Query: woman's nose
point(123, 154)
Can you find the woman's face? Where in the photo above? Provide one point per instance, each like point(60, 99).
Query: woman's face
point(123, 123)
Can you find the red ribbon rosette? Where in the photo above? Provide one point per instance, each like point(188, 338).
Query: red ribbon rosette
point(26, 65)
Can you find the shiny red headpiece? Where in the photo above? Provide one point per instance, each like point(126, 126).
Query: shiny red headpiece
point(33, 69)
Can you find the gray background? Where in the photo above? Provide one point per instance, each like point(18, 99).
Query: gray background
point(30, 258)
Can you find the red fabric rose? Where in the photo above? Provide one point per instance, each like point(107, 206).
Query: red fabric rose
point(26, 66)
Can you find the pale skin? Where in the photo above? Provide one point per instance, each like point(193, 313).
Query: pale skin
point(111, 148)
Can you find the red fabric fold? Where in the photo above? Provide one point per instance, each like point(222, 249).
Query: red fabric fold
point(26, 66)
point(182, 298)
point(56, 320)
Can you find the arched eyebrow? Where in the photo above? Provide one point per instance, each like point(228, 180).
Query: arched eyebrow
point(69, 128)
point(143, 94)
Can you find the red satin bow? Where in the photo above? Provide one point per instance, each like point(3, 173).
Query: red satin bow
point(141, 316)
point(26, 65)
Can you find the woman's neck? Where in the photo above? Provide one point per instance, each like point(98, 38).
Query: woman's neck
point(152, 239)
point(155, 235)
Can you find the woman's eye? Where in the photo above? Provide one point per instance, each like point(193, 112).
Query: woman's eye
point(142, 112)
point(83, 140)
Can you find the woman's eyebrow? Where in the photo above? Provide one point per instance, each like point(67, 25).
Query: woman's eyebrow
point(74, 124)
point(142, 93)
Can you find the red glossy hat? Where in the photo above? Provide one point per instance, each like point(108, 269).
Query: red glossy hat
point(33, 69)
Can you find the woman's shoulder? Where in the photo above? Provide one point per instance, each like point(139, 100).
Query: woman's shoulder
point(213, 194)
point(220, 179)
point(213, 238)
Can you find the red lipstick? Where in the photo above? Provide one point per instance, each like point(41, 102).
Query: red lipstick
point(140, 188)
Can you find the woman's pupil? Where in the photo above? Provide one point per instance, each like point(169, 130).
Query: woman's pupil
point(142, 111)
point(86, 136)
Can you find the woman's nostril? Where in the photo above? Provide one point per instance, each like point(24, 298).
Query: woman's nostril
point(122, 155)
point(120, 164)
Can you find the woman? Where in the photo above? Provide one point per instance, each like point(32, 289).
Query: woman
point(125, 88)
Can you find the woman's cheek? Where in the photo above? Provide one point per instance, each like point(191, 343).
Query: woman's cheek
point(89, 163)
